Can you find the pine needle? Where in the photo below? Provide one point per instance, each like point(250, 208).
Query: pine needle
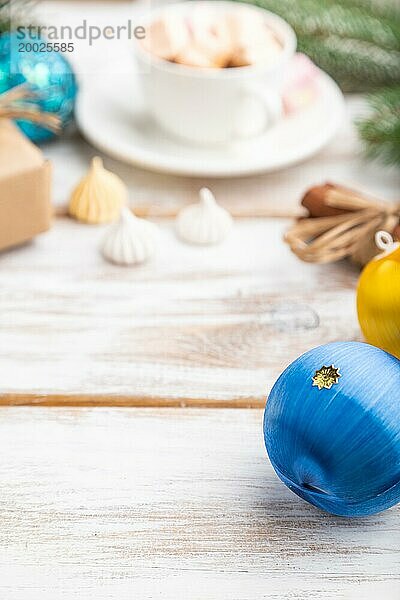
point(380, 131)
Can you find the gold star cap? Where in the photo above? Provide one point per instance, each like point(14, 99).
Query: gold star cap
point(326, 377)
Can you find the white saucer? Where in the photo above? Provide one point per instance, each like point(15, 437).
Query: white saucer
point(111, 117)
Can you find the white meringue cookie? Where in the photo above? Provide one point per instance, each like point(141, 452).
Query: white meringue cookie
point(204, 222)
point(129, 241)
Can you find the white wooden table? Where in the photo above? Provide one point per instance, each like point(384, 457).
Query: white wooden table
point(170, 503)
point(111, 502)
point(142, 472)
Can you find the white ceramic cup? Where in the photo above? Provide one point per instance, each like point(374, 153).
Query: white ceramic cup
point(215, 105)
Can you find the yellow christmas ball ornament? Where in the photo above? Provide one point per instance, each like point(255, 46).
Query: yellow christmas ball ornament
point(99, 196)
point(378, 297)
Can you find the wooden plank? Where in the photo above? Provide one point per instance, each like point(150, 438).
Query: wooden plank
point(198, 325)
point(86, 400)
point(115, 504)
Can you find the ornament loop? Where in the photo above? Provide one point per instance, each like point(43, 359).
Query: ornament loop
point(384, 240)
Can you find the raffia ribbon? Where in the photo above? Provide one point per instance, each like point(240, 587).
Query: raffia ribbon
point(348, 233)
point(14, 104)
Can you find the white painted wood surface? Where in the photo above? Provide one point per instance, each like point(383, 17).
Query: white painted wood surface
point(121, 504)
point(216, 323)
point(116, 504)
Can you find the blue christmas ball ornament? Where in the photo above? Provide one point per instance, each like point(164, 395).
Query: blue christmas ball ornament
point(47, 72)
point(332, 428)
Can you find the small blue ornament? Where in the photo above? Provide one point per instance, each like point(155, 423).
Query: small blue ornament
point(49, 75)
point(332, 428)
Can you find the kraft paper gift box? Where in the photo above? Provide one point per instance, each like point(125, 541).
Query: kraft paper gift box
point(25, 177)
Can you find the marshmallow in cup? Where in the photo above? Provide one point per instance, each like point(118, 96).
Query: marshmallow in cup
point(186, 88)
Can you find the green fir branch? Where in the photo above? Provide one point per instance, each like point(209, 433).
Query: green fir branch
point(14, 13)
point(380, 131)
point(357, 65)
point(386, 9)
point(356, 41)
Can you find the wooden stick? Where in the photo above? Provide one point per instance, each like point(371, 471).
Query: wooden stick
point(160, 211)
